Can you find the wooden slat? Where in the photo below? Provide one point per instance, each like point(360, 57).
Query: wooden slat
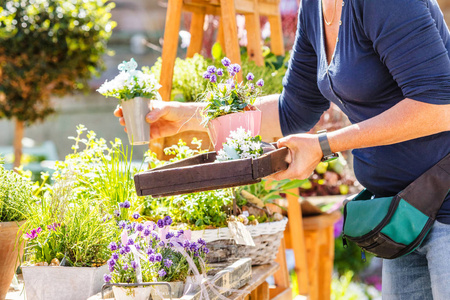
point(170, 46)
point(276, 35)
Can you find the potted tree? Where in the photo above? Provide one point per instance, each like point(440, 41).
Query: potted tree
point(230, 103)
point(15, 199)
point(134, 89)
point(52, 49)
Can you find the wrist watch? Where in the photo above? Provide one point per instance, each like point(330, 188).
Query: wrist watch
point(325, 146)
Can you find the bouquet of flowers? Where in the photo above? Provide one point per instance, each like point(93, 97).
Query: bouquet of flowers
point(240, 145)
point(224, 95)
point(149, 252)
point(130, 83)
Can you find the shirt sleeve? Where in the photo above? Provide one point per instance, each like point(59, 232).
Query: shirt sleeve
point(301, 104)
point(412, 45)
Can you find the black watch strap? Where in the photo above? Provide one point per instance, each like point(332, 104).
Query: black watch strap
point(325, 146)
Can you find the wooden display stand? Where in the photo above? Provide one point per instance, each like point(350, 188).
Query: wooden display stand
point(318, 232)
point(227, 36)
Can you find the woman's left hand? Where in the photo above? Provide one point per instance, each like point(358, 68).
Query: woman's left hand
point(304, 155)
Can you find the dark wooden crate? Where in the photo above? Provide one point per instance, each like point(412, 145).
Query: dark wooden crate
point(201, 173)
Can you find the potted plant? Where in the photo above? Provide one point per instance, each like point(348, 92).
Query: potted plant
point(134, 89)
point(15, 198)
point(76, 218)
point(149, 252)
point(230, 103)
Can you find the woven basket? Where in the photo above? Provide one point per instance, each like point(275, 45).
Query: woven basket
point(267, 237)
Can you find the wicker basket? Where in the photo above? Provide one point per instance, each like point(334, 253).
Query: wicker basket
point(267, 237)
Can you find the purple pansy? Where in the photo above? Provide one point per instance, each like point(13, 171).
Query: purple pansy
point(219, 72)
point(111, 262)
point(226, 62)
point(170, 235)
point(140, 227)
point(136, 215)
point(236, 68)
point(117, 213)
point(126, 204)
point(161, 244)
point(211, 69)
point(127, 249)
point(167, 220)
point(213, 78)
point(150, 251)
point(201, 242)
point(151, 257)
point(158, 257)
point(125, 267)
point(130, 241)
point(107, 278)
point(206, 75)
point(250, 77)
point(115, 256)
point(260, 83)
point(160, 223)
point(205, 250)
point(180, 233)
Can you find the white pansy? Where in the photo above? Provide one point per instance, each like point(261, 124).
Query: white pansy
point(244, 143)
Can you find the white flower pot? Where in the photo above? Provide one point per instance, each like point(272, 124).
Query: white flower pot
point(158, 292)
point(134, 112)
point(68, 283)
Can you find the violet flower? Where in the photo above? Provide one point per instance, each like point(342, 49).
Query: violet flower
point(161, 244)
point(107, 278)
point(117, 213)
point(111, 263)
point(160, 223)
point(169, 235)
point(180, 233)
point(201, 242)
point(130, 241)
point(168, 263)
point(162, 273)
point(167, 220)
point(34, 233)
point(140, 227)
point(122, 224)
point(125, 267)
point(219, 72)
point(158, 257)
point(147, 231)
point(213, 78)
point(151, 257)
point(250, 77)
point(211, 69)
point(126, 204)
point(115, 256)
point(226, 62)
point(206, 75)
point(260, 83)
point(136, 216)
point(150, 251)
point(113, 246)
point(134, 264)
point(127, 249)
point(236, 68)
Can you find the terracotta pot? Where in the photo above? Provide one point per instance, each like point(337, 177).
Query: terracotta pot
point(9, 254)
point(219, 129)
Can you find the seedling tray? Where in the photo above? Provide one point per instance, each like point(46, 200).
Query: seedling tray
point(201, 173)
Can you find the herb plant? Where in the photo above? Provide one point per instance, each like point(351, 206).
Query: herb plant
point(15, 195)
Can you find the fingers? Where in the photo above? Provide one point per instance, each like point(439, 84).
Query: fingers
point(118, 111)
point(157, 111)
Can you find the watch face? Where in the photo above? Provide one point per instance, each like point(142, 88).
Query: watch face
point(330, 157)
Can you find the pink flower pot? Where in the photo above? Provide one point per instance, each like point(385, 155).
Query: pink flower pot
point(219, 129)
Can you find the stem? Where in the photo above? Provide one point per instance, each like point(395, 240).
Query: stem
point(18, 136)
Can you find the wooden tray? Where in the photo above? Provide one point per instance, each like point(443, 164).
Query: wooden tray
point(201, 173)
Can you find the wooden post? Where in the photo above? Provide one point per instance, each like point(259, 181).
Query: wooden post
point(196, 30)
point(170, 46)
point(276, 35)
point(298, 242)
point(254, 45)
point(232, 51)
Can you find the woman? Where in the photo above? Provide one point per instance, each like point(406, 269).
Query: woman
point(386, 64)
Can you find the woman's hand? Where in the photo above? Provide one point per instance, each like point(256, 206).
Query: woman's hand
point(167, 118)
point(304, 155)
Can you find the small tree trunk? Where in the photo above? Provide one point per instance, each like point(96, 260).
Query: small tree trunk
point(18, 136)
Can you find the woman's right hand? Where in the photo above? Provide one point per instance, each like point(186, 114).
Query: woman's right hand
point(167, 118)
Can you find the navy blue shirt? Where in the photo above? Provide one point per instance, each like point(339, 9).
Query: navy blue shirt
point(387, 50)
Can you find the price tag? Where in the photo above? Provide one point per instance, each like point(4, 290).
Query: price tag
point(240, 233)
